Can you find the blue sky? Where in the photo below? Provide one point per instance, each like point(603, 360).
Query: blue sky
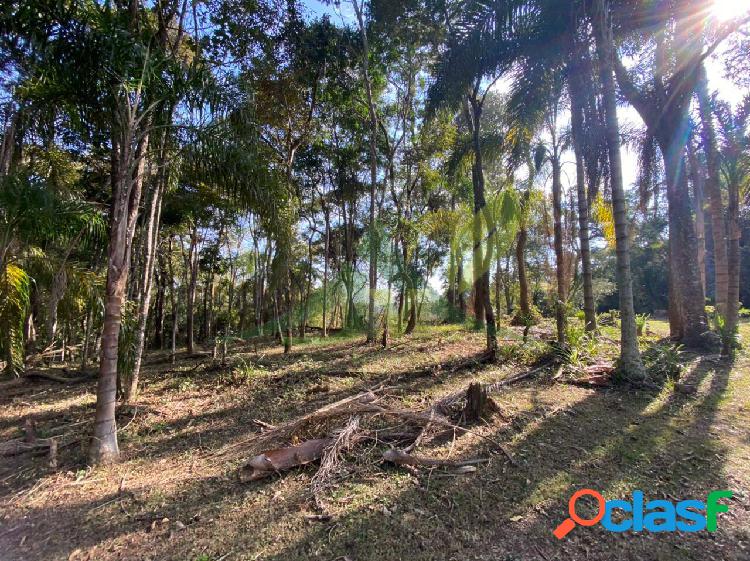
point(316, 7)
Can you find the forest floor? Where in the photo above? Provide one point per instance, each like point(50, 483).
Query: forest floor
point(174, 498)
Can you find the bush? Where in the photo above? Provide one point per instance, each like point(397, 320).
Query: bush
point(663, 362)
point(730, 340)
point(640, 323)
point(243, 374)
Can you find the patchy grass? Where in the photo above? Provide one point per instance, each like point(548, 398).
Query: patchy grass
point(173, 498)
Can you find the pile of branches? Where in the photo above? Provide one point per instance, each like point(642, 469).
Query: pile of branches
point(326, 434)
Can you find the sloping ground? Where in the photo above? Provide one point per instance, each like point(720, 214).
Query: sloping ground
point(174, 498)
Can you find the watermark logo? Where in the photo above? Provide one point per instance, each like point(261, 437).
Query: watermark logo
point(652, 516)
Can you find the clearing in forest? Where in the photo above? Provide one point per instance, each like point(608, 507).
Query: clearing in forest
point(177, 494)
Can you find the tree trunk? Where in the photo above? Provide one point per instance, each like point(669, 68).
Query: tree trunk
point(192, 286)
point(460, 288)
point(498, 283)
point(733, 255)
point(305, 309)
point(161, 283)
point(150, 244)
point(325, 271)
point(523, 298)
point(373, 269)
point(173, 302)
point(562, 297)
point(630, 358)
point(481, 284)
point(87, 335)
point(683, 248)
point(507, 285)
point(124, 213)
point(698, 181)
point(713, 190)
point(589, 304)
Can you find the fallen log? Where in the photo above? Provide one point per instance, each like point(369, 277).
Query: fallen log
point(282, 459)
point(42, 375)
point(595, 381)
point(19, 446)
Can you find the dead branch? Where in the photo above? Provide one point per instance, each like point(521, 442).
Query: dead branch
point(401, 458)
point(263, 425)
point(284, 432)
point(344, 440)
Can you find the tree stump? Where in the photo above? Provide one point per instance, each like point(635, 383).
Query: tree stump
point(476, 402)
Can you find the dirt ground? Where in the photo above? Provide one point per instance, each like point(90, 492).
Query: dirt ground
point(176, 497)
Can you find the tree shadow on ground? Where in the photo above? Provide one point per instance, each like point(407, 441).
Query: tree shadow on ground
point(615, 441)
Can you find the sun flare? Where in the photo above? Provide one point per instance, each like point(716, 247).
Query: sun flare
point(726, 10)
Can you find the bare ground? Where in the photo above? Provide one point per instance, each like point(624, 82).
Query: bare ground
point(174, 498)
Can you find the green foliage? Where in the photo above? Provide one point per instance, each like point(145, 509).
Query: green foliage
point(730, 337)
point(15, 289)
point(126, 345)
point(663, 362)
point(243, 374)
point(640, 323)
point(579, 348)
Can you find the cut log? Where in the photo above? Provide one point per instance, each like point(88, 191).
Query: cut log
point(281, 459)
point(42, 375)
point(19, 446)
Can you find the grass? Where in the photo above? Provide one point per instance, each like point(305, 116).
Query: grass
point(563, 438)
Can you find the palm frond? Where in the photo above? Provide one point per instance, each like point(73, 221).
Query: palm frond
point(15, 291)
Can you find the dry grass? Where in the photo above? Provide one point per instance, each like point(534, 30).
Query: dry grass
point(563, 438)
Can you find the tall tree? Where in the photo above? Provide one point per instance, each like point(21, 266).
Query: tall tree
point(630, 358)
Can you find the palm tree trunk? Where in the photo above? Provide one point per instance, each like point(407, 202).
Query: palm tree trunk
point(630, 358)
point(124, 212)
point(558, 243)
point(481, 284)
point(698, 181)
point(589, 304)
point(733, 255)
point(191, 289)
point(683, 248)
point(713, 190)
point(151, 241)
point(373, 269)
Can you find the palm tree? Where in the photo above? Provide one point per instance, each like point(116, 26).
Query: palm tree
point(712, 186)
point(735, 167)
point(663, 101)
point(630, 359)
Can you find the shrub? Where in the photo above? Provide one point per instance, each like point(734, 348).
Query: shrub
point(663, 362)
point(640, 323)
point(729, 337)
